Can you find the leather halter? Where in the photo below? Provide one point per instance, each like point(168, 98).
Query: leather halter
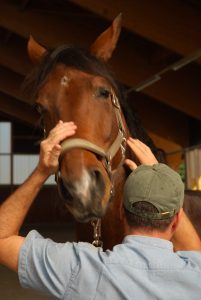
point(107, 155)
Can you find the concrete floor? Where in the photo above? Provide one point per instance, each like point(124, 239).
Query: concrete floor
point(10, 288)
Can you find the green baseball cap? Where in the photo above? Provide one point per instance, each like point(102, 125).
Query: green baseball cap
point(159, 185)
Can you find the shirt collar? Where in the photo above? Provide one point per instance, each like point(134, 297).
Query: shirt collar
point(149, 241)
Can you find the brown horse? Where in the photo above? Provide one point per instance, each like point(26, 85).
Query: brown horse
point(75, 85)
point(72, 84)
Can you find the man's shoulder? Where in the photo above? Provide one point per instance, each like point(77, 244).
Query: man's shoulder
point(192, 258)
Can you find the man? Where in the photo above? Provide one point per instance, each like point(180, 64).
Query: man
point(144, 266)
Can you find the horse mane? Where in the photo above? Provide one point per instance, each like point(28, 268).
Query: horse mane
point(82, 60)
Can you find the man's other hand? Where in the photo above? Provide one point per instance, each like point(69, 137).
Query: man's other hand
point(142, 152)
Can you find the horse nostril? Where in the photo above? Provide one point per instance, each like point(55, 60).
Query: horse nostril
point(64, 192)
point(97, 179)
point(98, 175)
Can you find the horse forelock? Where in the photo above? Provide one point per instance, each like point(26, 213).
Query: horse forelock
point(72, 57)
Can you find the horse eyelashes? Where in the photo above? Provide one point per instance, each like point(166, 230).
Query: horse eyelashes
point(103, 92)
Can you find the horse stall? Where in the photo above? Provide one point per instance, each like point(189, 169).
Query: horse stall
point(138, 75)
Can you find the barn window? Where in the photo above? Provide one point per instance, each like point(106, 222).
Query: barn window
point(193, 168)
point(5, 151)
point(16, 166)
point(23, 165)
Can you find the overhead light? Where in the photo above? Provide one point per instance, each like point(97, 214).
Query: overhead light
point(173, 67)
point(186, 60)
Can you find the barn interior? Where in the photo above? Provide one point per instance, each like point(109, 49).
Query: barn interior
point(157, 60)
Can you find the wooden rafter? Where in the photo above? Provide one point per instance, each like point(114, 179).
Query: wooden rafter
point(171, 24)
point(16, 109)
point(11, 83)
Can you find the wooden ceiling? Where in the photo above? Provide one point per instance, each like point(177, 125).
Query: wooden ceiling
point(156, 34)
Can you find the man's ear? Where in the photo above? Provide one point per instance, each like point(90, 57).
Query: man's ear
point(177, 219)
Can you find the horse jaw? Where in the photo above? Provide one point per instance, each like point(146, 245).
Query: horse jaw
point(105, 44)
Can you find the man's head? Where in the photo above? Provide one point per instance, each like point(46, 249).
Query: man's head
point(153, 195)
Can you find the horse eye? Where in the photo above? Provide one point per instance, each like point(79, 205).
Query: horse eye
point(39, 108)
point(103, 92)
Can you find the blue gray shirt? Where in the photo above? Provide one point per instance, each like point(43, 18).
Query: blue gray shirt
point(140, 268)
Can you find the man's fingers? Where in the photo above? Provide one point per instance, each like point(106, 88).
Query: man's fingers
point(62, 131)
point(61, 125)
point(142, 152)
point(137, 145)
point(131, 164)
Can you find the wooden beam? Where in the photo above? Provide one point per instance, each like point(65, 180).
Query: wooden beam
point(180, 90)
point(171, 24)
point(13, 55)
point(17, 109)
point(160, 119)
point(51, 30)
point(11, 84)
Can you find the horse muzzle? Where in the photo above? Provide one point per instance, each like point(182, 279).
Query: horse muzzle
point(84, 196)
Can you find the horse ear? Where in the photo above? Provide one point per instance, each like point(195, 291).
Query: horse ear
point(105, 44)
point(36, 51)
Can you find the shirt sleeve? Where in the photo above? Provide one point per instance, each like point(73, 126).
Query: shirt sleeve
point(46, 266)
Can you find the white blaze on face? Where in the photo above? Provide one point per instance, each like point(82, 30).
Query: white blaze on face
point(65, 80)
point(83, 186)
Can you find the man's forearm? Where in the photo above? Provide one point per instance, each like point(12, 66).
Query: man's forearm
point(14, 209)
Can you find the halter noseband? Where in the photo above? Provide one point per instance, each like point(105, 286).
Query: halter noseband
point(109, 154)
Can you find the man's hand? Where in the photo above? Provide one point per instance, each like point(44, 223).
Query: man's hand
point(142, 152)
point(50, 148)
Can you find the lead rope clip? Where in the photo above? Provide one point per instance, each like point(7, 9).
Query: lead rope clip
point(97, 233)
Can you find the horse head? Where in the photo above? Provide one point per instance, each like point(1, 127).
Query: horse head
point(75, 85)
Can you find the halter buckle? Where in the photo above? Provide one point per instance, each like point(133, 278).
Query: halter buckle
point(123, 146)
point(115, 101)
point(108, 166)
